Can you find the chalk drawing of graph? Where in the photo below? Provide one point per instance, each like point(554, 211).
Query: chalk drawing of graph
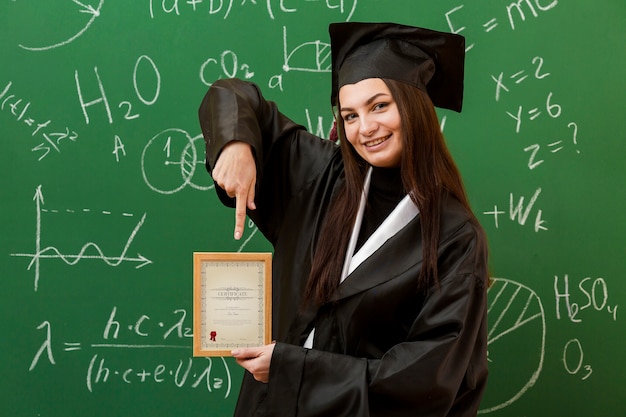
point(516, 343)
point(310, 56)
point(89, 250)
point(173, 160)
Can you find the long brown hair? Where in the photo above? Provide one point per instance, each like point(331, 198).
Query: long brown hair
point(427, 171)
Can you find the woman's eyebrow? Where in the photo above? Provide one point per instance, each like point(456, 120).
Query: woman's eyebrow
point(368, 102)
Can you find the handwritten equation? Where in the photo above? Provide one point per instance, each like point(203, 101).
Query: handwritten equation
point(54, 138)
point(551, 108)
point(517, 12)
point(219, 8)
point(214, 376)
point(519, 211)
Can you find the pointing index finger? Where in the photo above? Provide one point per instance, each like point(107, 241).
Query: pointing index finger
point(240, 214)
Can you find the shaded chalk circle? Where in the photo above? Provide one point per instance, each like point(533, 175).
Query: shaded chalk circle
point(190, 159)
point(169, 161)
point(516, 343)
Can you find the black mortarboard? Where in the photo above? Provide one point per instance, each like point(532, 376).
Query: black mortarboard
point(430, 60)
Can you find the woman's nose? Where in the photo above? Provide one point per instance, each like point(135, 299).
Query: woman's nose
point(367, 127)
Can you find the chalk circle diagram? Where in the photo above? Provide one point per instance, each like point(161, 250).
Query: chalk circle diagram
point(516, 343)
point(169, 162)
point(66, 12)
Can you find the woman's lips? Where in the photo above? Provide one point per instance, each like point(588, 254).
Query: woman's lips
point(375, 142)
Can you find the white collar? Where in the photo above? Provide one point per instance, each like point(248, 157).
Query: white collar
point(404, 212)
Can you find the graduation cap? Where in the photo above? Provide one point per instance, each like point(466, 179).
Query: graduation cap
point(430, 60)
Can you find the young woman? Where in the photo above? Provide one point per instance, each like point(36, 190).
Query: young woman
point(380, 267)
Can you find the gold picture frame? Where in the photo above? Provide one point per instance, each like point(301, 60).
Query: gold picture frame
point(232, 301)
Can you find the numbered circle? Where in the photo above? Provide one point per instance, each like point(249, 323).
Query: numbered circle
point(170, 160)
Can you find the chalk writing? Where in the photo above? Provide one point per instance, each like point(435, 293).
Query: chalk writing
point(552, 109)
point(114, 98)
point(169, 162)
point(516, 315)
point(518, 212)
point(552, 147)
point(228, 67)
point(521, 115)
point(595, 295)
point(311, 56)
point(515, 12)
point(519, 77)
point(184, 372)
point(319, 130)
point(52, 252)
point(521, 11)
point(146, 94)
point(46, 347)
point(224, 7)
point(54, 138)
point(128, 112)
point(139, 327)
point(314, 56)
point(575, 345)
point(118, 148)
point(83, 9)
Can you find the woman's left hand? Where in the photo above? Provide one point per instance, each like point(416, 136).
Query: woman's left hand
point(255, 360)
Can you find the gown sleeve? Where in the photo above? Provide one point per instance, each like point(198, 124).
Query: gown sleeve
point(439, 370)
point(287, 156)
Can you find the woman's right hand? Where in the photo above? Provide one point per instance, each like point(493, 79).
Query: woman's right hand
point(235, 173)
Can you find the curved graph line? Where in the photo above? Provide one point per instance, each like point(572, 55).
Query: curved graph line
point(107, 259)
point(81, 255)
point(74, 259)
point(87, 9)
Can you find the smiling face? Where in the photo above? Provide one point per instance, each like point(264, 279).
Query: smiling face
point(372, 122)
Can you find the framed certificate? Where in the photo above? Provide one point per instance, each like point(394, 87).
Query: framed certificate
point(232, 301)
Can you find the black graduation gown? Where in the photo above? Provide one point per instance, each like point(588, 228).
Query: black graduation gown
point(381, 348)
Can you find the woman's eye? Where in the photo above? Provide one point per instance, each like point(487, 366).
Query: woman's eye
point(380, 106)
point(349, 116)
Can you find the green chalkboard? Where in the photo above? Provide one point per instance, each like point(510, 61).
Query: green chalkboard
point(104, 196)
